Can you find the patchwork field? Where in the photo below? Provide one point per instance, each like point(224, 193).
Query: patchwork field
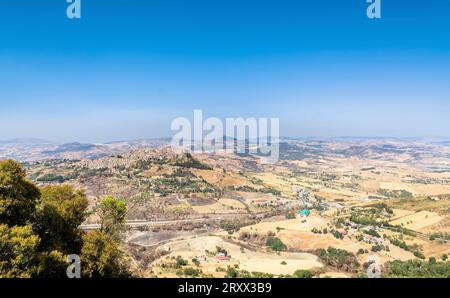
point(246, 259)
point(221, 206)
point(297, 235)
point(418, 221)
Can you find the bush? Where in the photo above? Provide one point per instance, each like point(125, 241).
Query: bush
point(290, 216)
point(181, 262)
point(339, 258)
point(191, 272)
point(419, 255)
point(376, 248)
point(275, 244)
point(361, 251)
point(231, 272)
point(337, 234)
point(372, 232)
point(303, 274)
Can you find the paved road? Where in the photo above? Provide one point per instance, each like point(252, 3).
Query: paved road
point(144, 223)
point(206, 218)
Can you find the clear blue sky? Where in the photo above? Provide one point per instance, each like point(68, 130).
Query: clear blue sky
point(127, 68)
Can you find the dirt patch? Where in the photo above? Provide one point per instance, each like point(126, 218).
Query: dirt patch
point(250, 260)
point(418, 221)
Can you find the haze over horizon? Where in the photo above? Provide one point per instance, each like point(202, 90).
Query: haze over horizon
point(38, 141)
point(128, 68)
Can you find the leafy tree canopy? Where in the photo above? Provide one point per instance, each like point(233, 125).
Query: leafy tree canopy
point(18, 196)
point(61, 212)
point(39, 228)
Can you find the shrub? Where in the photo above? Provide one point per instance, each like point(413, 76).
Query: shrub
point(339, 258)
point(181, 262)
point(231, 272)
point(191, 271)
point(275, 243)
point(290, 216)
point(361, 251)
point(337, 234)
point(303, 274)
point(372, 232)
point(376, 248)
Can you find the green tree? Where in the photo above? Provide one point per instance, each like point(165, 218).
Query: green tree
point(231, 272)
point(432, 261)
point(20, 256)
point(191, 272)
point(303, 274)
point(181, 262)
point(112, 215)
point(52, 265)
point(290, 215)
point(275, 243)
point(18, 196)
point(61, 212)
point(101, 254)
point(101, 257)
point(18, 252)
point(339, 258)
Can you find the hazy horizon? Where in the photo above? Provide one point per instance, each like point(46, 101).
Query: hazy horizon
point(33, 140)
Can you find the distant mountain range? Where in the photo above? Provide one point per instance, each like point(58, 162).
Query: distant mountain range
point(26, 141)
point(33, 149)
point(37, 149)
